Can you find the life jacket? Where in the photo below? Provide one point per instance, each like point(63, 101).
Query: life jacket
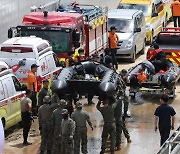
point(142, 77)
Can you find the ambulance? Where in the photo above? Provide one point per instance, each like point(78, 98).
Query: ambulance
point(157, 13)
point(21, 52)
point(10, 95)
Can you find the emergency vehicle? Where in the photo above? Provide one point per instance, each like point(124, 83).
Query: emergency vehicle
point(157, 13)
point(168, 41)
point(10, 95)
point(68, 30)
point(21, 52)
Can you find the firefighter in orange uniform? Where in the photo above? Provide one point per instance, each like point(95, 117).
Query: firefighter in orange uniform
point(32, 85)
point(175, 7)
point(113, 42)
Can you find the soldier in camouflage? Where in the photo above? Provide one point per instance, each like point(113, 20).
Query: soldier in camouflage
point(56, 127)
point(45, 125)
point(109, 127)
point(67, 133)
point(120, 124)
point(80, 117)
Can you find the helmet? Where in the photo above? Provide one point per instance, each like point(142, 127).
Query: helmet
point(64, 111)
point(78, 104)
point(62, 102)
point(47, 99)
point(123, 72)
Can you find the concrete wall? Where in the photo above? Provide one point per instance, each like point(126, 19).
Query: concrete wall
point(12, 11)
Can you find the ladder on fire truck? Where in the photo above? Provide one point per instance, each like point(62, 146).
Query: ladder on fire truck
point(172, 145)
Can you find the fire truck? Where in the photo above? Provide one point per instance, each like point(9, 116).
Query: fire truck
point(169, 42)
point(68, 30)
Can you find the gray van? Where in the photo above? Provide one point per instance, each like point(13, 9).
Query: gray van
point(131, 30)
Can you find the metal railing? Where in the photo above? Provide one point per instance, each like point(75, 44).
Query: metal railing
point(172, 145)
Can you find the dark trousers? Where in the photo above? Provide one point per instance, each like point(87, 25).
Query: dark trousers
point(164, 133)
point(90, 97)
point(34, 103)
point(26, 120)
point(114, 60)
point(176, 19)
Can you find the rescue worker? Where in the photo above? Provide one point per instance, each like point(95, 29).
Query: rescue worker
point(159, 59)
point(175, 8)
point(125, 80)
point(69, 60)
point(164, 118)
point(81, 117)
point(32, 85)
point(109, 127)
point(26, 114)
point(67, 133)
point(113, 42)
point(96, 57)
point(107, 60)
point(45, 125)
point(120, 123)
point(54, 101)
point(43, 92)
point(81, 57)
point(56, 126)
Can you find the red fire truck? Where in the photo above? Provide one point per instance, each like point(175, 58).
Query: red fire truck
point(68, 30)
point(169, 41)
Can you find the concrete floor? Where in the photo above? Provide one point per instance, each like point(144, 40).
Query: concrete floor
point(140, 126)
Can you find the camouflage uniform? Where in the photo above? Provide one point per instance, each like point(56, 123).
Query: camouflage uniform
point(67, 131)
point(109, 126)
point(42, 94)
point(45, 125)
point(81, 117)
point(56, 129)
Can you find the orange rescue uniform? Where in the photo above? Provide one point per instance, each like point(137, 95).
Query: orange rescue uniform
point(175, 6)
point(113, 38)
point(32, 79)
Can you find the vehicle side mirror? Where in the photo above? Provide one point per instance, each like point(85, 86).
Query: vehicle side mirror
point(76, 44)
point(10, 33)
point(137, 30)
point(155, 14)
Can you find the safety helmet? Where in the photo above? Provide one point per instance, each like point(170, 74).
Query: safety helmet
point(64, 111)
point(47, 99)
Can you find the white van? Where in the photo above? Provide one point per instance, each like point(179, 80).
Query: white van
point(10, 95)
point(131, 30)
point(21, 52)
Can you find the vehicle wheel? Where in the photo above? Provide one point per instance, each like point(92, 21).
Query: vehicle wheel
point(3, 122)
point(143, 49)
point(132, 60)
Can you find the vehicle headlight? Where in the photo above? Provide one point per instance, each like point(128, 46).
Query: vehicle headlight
point(148, 26)
point(129, 43)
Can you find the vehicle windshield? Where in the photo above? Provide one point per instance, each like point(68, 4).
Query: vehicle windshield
point(144, 8)
point(122, 25)
point(59, 40)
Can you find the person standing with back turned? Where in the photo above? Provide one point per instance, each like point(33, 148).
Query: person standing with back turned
point(164, 118)
point(26, 111)
point(175, 8)
point(80, 117)
point(113, 42)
